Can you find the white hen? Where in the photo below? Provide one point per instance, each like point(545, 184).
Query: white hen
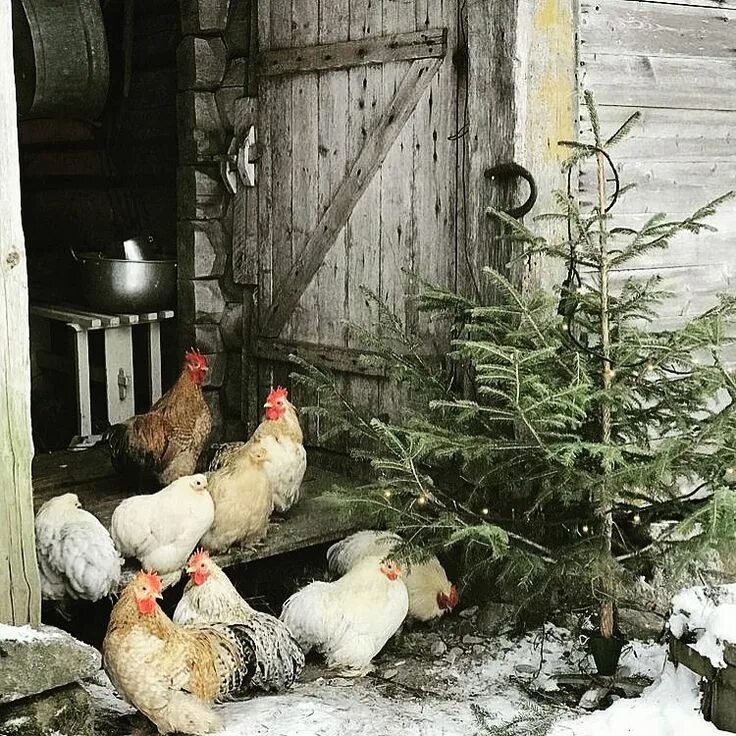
point(431, 594)
point(76, 556)
point(351, 619)
point(162, 529)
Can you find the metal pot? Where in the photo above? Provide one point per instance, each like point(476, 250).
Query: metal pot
point(118, 286)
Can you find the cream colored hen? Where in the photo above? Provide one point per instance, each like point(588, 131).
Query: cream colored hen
point(278, 439)
point(210, 597)
point(76, 556)
point(172, 673)
point(350, 620)
point(162, 529)
point(431, 594)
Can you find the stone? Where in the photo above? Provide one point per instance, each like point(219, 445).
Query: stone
point(35, 659)
point(640, 624)
point(494, 617)
point(207, 339)
point(478, 649)
point(470, 639)
point(213, 399)
point(235, 430)
point(201, 249)
point(200, 193)
point(201, 62)
point(232, 386)
point(203, 16)
point(201, 301)
point(469, 612)
point(438, 648)
point(65, 710)
point(389, 674)
point(454, 654)
point(202, 135)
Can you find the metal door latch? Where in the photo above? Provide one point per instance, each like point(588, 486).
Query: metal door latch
point(123, 383)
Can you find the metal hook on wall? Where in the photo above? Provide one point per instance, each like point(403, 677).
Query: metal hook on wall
point(510, 170)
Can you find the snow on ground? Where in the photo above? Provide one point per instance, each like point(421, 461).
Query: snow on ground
point(442, 682)
point(705, 617)
point(669, 707)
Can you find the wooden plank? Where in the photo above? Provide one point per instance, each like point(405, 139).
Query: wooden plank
point(670, 135)
point(154, 361)
point(377, 145)
point(719, 4)
point(82, 383)
point(61, 315)
point(334, 357)
point(626, 28)
point(682, 82)
point(20, 595)
point(669, 186)
point(344, 55)
point(304, 161)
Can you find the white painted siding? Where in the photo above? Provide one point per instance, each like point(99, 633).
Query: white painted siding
point(675, 61)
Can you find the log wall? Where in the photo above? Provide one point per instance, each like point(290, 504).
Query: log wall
point(673, 61)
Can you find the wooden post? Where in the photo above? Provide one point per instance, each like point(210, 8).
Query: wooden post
point(20, 594)
point(521, 102)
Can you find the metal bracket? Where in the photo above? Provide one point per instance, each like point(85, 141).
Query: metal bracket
point(238, 164)
point(123, 383)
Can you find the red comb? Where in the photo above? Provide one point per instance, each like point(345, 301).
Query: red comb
point(153, 580)
point(194, 357)
point(197, 557)
point(277, 393)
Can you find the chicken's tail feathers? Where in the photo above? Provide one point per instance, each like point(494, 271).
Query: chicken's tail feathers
point(244, 664)
point(345, 554)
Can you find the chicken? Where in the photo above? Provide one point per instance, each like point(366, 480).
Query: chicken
point(351, 619)
point(280, 437)
point(210, 597)
point(243, 500)
point(171, 673)
point(431, 594)
point(162, 529)
point(76, 556)
point(165, 443)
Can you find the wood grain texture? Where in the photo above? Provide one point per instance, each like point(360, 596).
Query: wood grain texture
point(20, 594)
point(377, 145)
point(628, 28)
point(305, 58)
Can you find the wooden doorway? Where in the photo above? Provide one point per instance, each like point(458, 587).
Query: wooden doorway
point(356, 185)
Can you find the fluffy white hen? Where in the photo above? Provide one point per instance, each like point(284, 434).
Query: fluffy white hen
point(211, 598)
point(162, 529)
point(76, 556)
point(351, 619)
point(431, 594)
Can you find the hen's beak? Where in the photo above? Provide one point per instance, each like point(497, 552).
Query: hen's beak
point(158, 595)
point(188, 570)
point(268, 405)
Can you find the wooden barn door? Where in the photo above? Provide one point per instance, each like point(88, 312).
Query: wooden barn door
point(356, 177)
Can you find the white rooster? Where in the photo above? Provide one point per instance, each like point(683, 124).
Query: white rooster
point(431, 594)
point(162, 529)
point(76, 556)
point(210, 598)
point(350, 620)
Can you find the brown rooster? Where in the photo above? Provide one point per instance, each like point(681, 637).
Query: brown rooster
point(171, 673)
point(165, 443)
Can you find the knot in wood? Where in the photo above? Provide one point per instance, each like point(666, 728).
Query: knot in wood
point(13, 258)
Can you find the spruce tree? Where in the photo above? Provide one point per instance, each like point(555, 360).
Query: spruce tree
point(564, 440)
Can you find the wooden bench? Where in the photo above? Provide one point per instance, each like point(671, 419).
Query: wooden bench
point(118, 376)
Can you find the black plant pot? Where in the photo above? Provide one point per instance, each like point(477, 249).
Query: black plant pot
point(606, 653)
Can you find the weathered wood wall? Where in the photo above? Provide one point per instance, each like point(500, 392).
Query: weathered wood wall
point(673, 61)
point(20, 595)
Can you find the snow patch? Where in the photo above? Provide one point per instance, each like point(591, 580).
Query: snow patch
point(26, 634)
point(705, 618)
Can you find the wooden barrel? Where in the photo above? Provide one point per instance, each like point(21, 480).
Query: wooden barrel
point(62, 67)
